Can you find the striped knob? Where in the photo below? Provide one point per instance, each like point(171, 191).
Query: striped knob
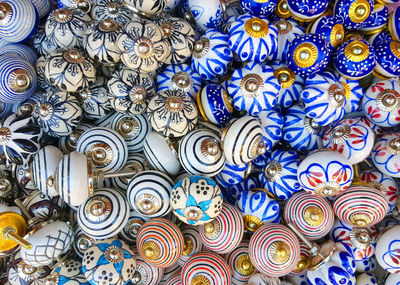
point(192, 243)
point(240, 264)
point(146, 274)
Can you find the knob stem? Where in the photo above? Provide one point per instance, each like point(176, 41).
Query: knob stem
point(9, 233)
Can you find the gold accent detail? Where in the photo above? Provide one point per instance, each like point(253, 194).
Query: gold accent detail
point(200, 280)
point(252, 223)
point(114, 254)
point(101, 154)
point(12, 229)
point(360, 220)
point(336, 96)
point(98, 208)
point(311, 126)
point(73, 56)
point(283, 26)
point(305, 55)
point(211, 149)
point(108, 25)
point(200, 106)
point(313, 215)
point(285, 76)
point(188, 246)
point(227, 101)
point(174, 104)
point(388, 100)
point(128, 127)
point(356, 51)
point(280, 252)
point(20, 80)
point(337, 35)
point(144, 48)
point(63, 15)
point(181, 80)
point(282, 9)
point(45, 111)
point(339, 134)
point(147, 204)
point(327, 189)
point(138, 95)
point(390, 26)
point(244, 265)
point(5, 135)
point(359, 11)
point(212, 229)
point(346, 90)
point(201, 47)
point(393, 146)
point(273, 171)
point(302, 264)
point(252, 85)
point(5, 13)
point(193, 213)
point(167, 28)
point(151, 250)
point(256, 27)
point(360, 237)
point(378, 75)
point(395, 48)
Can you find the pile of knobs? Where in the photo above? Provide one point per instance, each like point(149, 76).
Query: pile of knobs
point(199, 142)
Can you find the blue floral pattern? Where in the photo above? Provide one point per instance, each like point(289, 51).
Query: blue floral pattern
point(307, 9)
point(271, 122)
point(258, 8)
point(341, 11)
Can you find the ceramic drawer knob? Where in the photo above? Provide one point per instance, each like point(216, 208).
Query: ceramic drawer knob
point(279, 176)
point(65, 27)
point(355, 59)
point(174, 280)
point(20, 273)
point(307, 11)
point(362, 241)
point(353, 92)
point(110, 260)
point(381, 103)
point(200, 153)
point(214, 104)
point(393, 24)
point(42, 207)
point(13, 228)
point(106, 148)
point(20, 50)
point(192, 243)
point(330, 28)
point(100, 42)
point(160, 242)
point(19, 20)
point(367, 279)
point(301, 131)
point(252, 38)
point(8, 187)
point(377, 21)
point(387, 250)
point(148, 193)
point(81, 242)
point(386, 154)
point(257, 209)
point(351, 138)
point(308, 54)
point(205, 268)
point(225, 232)
point(325, 173)
point(111, 9)
point(387, 59)
point(271, 122)
point(361, 206)
point(78, 72)
point(232, 174)
point(103, 215)
point(146, 274)
point(42, 81)
point(44, 165)
point(19, 78)
point(67, 271)
point(179, 77)
point(353, 13)
point(43, 45)
point(172, 113)
point(148, 9)
point(131, 229)
point(233, 191)
point(142, 45)
point(19, 139)
point(206, 16)
point(254, 88)
point(274, 250)
point(211, 55)
point(130, 90)
point(68, 143)
point(258, 8)
point(49, 241)
point(94, 102)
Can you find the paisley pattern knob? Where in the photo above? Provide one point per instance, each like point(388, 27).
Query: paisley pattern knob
point(160, 242)
point(274, 250)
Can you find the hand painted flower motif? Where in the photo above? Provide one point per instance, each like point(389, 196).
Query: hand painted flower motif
point(258, 8)
point(196, 200)
point(330, 28)
point(254, 88)
point(279, 175)
point(94, 102)
point(142, 45)
point(271, 123)
point(388, 250)
point(129, 91)
point(111, 259)
point(346, 12)
point(386, 154)
point(381, 103)
point(111, 9)
point(207, 15)
point(307, 10)
point(58, 113)
point(252, 38)
point(324, 98)
point(69, 272)
point(19, 139)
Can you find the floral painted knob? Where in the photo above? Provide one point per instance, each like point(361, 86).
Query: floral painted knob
point(393, 24)
point(367, 278)
point(274, 250)
point(65, 27)
point(387, 249)
point(192, 243)
point(353, 13)
point(308, 54)
point(200, 153)
point(129, 91)
point(211, 55)
point(225, 232)
point(111, 9)
point(307, 11)
point(206, 16)
point(254, 88)
point(258, 8)
point(19, 139)
point(146, 274)
point(148, 193)
point(69, 70)
point(330, 28)
point(142, 45)
point(279, 175)
point(381, 103)
point(179, 77)
point(361, 240)
point(94, 102)
point(103, 215)
point(148, 9)
point(325, 173)
point(355, 59)
point(42, 207)
point(109, 259)
point(172, 113)
point(387, 59)
point(205, 268)
point(21, 273)
point(160, 243)
point(257, 209)
point(196, 200)
point(361, 206)
point(68, 271)
point(386, 154)
point(311, 214)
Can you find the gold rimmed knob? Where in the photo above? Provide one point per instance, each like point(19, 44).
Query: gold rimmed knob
point(280, 252)
point(256, 27)
point(151, 250)
point(313, 215)
point(200, 280)
point(244, 265)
